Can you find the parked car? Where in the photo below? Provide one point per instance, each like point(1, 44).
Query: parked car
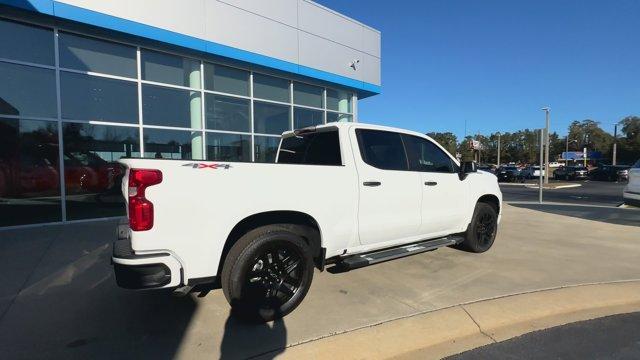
point(531, 172)
point(610, 173)
point(509, 174)
point(348, 194)
point(570, 173)
point(631, 192)
point(487, 168)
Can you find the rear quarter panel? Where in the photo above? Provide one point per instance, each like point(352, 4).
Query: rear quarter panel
point(196, 207)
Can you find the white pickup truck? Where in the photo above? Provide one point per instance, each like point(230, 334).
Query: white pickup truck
point(347, 194)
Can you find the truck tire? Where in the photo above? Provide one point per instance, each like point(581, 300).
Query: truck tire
point(482, 230)
point(267, 273)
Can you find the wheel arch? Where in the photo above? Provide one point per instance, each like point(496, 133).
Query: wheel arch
point(297, 222)
point(491, 200)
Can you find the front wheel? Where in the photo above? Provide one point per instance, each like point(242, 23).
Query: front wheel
point(482, 230)
point(267, 273)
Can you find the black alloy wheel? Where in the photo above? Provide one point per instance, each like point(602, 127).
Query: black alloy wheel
point(267, 273)
point(482, 230)
point(275, 276)
point(485, 229)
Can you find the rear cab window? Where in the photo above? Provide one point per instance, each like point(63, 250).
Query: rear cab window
point(321, 147)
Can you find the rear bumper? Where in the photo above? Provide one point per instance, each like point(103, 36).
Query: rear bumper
point(144, 271)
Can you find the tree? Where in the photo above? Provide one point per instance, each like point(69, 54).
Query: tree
point(588, 134)
point(448, 141)
point(629, 145)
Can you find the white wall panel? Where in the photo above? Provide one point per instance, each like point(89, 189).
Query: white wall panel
point(284, 11)
point(326, 55)
point(184, 16)
point(235, 27)
point(319, 21)
point(371, 42)
point(370, 69)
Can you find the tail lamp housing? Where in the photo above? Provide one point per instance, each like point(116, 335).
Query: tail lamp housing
point(140, 208)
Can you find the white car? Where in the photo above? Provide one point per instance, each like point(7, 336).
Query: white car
point(631, 192)
point(341, 193)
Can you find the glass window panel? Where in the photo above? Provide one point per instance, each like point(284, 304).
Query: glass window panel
point(339, 100)
point(171, 107)
point(335, 117)
point(27, 91)
point(172, 144)
point(382, 149)
point(265, 148)
point(306, 117)
point(314, 148)
point(91, 170)
point(29, 172)
point(426, 156)
point(271, 118)
point(307, 95)
point(26, 43)
point(228, 147)
point(170, 69)
point(226, 79)
point(89, 54)
point(227, 113)
point(86, 97)
point(270, 88)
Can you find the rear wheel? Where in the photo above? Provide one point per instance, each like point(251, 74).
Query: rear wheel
point(482, 230)
point(267, 273)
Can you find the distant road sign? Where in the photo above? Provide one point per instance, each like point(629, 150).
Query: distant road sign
point(579, 155)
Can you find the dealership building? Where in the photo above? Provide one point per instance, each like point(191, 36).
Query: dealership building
point(84, 83)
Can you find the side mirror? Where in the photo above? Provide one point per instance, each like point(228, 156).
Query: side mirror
point(467, 167)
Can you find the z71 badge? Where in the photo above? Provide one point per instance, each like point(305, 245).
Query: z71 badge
point(208, 166)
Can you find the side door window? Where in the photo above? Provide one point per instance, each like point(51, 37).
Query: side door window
point(426, 156)
point(382, 149)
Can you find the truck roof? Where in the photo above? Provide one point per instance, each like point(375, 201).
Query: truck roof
point(347, 125)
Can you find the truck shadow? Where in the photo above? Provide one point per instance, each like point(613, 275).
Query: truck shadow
point(610, 215)
point(70, 307)
point(243, 340)
point(59, 300)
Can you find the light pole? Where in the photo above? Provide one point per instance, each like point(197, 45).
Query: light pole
point(540, 177)
point(546, 145)
point(499, 150)
point(615, 144)
point(566, 160)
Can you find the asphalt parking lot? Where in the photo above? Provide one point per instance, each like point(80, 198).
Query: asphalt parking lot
point(59, 298)
point(611, 337)
point(588, 193)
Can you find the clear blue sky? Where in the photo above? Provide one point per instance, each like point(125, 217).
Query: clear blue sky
point(495, 63)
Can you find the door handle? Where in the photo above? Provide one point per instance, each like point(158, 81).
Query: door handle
point(430, 183)
point(372, 183)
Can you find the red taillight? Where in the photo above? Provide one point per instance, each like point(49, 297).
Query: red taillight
point(141, 209)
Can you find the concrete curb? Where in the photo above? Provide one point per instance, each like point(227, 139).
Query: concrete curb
point(463, 327)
